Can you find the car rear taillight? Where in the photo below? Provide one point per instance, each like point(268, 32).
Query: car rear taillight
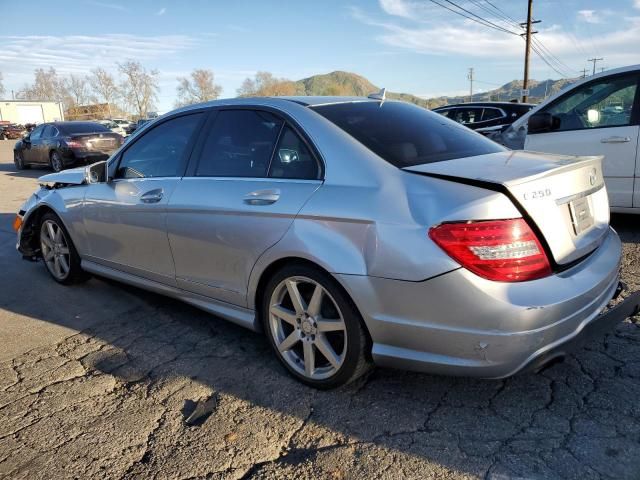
point(74, 143)
point(500, 250)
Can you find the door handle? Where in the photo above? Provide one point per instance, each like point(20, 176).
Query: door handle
point(262, 197)
point(152, 196)
point(615, 140)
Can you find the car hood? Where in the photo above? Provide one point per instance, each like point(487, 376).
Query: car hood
point(73, 176)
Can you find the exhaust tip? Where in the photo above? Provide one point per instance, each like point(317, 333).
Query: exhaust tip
point(550, 362)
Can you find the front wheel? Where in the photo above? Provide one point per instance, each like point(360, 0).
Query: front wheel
point(58, 252)
point(313, 328)
point(56, 162)
point(18, 161)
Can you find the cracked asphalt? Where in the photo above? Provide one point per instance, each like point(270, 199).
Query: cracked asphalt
point(96, 381)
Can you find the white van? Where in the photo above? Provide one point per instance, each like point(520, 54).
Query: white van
point(599, 115)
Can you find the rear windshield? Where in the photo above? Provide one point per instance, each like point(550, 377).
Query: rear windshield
point(82, 127)
point(406, 135)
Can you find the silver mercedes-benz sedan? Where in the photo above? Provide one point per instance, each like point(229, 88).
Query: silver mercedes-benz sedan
point(352, 231)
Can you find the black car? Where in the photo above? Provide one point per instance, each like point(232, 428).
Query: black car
point(62, 144)
point(485, 117)
point(134, 126)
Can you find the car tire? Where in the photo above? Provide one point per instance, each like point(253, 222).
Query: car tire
point(55, 161)
point(320, 338)
point(60, 256)
point(18, 161)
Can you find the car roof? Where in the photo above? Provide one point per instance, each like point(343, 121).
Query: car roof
point(487, 104)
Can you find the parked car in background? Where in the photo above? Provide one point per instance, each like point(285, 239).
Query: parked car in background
point(349, 230)
point(123, 122)
point(62, 144)
point(487, 118)
point(113, 126)
point(134, 126)
point(11, 131)
point(599, 115)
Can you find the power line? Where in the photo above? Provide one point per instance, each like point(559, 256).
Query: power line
point(483, 22)
point(480, 18)
point(544, 50)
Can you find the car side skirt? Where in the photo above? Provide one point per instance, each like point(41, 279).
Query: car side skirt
point(238, 315)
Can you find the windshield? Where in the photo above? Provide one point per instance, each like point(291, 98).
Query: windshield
point(406, 135)
point(82, 127)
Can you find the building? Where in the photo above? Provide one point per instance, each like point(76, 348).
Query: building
point(27, 111)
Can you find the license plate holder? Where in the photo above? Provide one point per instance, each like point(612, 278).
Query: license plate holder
point(581, 215)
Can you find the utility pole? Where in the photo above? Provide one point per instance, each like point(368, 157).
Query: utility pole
point(527, 51)
point(594, 60)
point(602, 69)
point(470, 77)
point(584, 73)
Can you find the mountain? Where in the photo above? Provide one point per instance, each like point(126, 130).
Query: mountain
point(346, 84)
point(538, 91)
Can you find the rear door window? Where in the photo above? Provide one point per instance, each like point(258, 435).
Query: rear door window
point(406, 135)
point(467, 115)
point(240, 144)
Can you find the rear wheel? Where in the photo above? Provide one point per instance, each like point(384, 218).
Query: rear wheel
point(58, 252)
point(55, 160)
point(18, 161)
point(313, 328)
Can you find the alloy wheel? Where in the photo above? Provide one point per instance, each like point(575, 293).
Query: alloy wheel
point(56, 162)
point(55, 250)
point(308, 327)
point(19, 161)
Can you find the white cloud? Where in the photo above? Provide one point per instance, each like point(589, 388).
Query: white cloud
point(161, 12)
point(588, 16)
point(425, 33)
point(112, 6)
point(636, 4)
point(21, 54)
point(399, 8)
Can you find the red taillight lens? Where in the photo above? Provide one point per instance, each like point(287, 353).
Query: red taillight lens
point(74, 143)
point(501, 250)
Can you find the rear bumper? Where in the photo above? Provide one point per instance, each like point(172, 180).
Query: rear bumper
point(461, 324)
point(84, 157)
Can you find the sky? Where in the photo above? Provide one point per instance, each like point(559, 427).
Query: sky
point(410, 46)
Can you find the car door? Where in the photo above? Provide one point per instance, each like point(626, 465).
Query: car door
point(250, 176)
point(48, 142)
point(31, 153)
point(598, 118)
point(125, 218)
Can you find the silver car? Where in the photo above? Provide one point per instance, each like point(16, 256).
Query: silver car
point(352, 231)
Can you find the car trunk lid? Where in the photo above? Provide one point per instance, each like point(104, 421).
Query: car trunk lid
point(563, 196)
point(104, 142)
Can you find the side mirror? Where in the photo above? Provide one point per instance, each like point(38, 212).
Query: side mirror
point(26, 138)
point(96, 173)
point(542, 122)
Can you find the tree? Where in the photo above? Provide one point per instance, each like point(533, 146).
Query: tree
point(47, 85)
point(76, 90)
point(264, 84)
point(197, 89)
point(139, 87)
point(104, 88)
point(1, 86)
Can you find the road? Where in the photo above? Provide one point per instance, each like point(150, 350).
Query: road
point(97, 381)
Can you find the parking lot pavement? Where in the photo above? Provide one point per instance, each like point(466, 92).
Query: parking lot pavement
point(96, 381)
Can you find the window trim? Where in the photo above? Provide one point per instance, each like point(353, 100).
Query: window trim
point(115, 164)
point(42, 128)
point(287, 120)
point(634, 118)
